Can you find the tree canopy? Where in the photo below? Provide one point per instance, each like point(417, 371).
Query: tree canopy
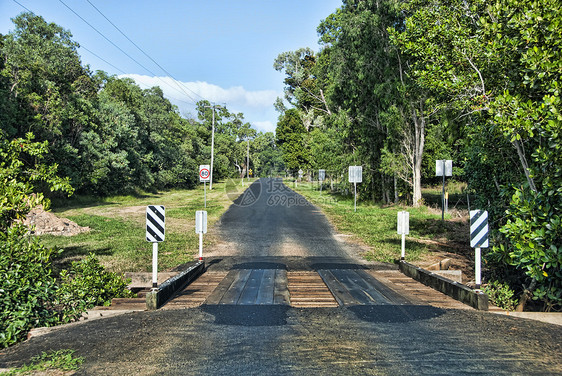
point(403, 83)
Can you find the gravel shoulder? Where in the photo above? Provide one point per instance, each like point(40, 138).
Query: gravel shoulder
point(282, 340)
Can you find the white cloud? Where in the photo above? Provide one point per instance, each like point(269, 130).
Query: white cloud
point(257, 106)
point(264, 126)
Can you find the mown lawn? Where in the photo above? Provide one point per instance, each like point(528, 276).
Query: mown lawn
point(118, 229)
point(375, 226)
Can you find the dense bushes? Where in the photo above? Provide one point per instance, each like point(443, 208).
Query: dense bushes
point(27, 286)
point(86, 285)
point(31, 296)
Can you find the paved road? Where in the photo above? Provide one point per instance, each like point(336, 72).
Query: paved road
point(270, 219)
point(228, 339)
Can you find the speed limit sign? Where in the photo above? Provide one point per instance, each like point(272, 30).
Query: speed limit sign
point(204, 173)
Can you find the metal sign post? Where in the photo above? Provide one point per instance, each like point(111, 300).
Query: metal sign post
point(155, 231)
point(478, 239)
point(200, 228)
point(321, 178)
point(355, 176)
point(403, 229)
point(205, 176)
point(443, 168)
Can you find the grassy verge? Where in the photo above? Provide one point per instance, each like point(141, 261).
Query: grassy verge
point(62, 360)
point(375, 226)
point(118, 223)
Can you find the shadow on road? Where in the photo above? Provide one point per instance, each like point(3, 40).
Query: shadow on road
point(260, 265)
point(248, 315)
point(395, 313)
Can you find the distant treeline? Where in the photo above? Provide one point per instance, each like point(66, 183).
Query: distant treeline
point(105, 133)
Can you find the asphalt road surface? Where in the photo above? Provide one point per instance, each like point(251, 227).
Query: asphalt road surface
point(269, 219)
point(356, 339)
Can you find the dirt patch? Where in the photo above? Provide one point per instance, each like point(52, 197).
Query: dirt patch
point(453, 244)
point(46, 223)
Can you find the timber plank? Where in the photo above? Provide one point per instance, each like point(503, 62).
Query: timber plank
point(232, 295)
point(250, 289)
point(281, 292)
point(266, 290)
point(339, 291)
point(222, 288)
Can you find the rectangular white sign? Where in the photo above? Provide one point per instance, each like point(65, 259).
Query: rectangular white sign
point(204, 173)
point(200, 222)
point(321, 175)
point(403, 223)
point(479, 229)
point(355, 174)
point(155, 223)
point(448, 167)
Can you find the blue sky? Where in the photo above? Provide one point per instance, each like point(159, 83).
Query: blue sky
point(220, 50)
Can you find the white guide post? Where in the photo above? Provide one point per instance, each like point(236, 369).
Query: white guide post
point(154, 265)
point(155, 233)
point(478, 239)
point(403, 228)
point(200, 228)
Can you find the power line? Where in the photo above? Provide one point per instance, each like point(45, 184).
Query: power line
point(23, 7)
point(102, 59)
point(116, 46)
point(107, 62)
point(145, 54)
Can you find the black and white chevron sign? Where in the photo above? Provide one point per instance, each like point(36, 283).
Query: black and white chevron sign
point(155, 221)
point(479, 229)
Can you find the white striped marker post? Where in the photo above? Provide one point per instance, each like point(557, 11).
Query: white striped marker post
point(200, 228)
point(478, 239)
point(155, 231)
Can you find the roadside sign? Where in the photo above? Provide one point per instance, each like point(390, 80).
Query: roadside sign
point(204, 173)
point(321, 175)
point(403, 229)
point(200, 228)
point(403, 223)
point(155, 223)
point(443, 165)
point(478, 229)
point(478, 239)
point(155, 228)
point(300, 174)
point(355, 174)
point(200, 222)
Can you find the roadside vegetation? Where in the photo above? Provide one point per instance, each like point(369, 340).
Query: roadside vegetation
point(65, 130)
point(398, 85)
point(62, 362)
point(118, 227)
point(374, 225)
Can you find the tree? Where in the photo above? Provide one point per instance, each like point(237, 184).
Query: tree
point(498, 64)
point(368, 79)
point(302, 90)
point(50, 88)
point(290, 137)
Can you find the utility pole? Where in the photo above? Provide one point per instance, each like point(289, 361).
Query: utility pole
point(212, 149)
point(248, 161)
point(212, 146)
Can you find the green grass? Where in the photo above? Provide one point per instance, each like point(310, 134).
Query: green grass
point(62, 360)
point(118, 230)
point(375, 225)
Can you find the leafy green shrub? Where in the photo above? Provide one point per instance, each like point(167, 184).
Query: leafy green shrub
point(87, 284)
point(27, 286)
point(501, 295)
point(62, 360)
point(30, 296)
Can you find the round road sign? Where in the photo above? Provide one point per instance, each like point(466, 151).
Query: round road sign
point(204, 174)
